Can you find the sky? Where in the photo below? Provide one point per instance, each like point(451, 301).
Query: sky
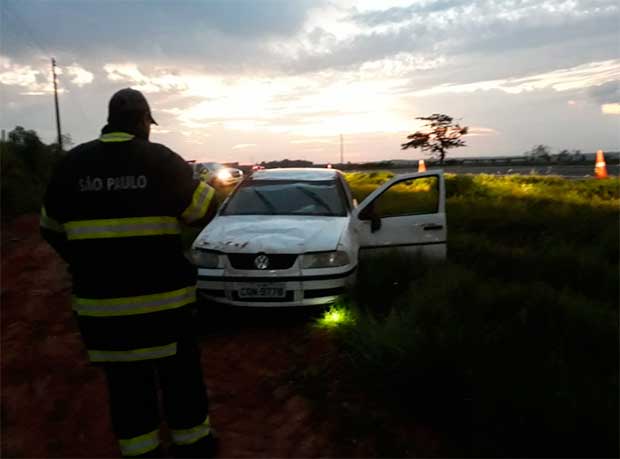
point(261, 80)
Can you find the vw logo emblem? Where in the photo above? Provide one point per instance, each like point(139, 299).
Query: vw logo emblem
point(261, 262)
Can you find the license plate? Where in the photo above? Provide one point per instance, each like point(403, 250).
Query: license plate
point(262, 291)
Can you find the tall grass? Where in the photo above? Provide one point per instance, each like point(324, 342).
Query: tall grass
point(511, 346)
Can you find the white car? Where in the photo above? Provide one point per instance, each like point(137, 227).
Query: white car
point(293, 237)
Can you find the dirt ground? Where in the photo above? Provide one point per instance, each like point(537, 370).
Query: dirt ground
point(54, 404)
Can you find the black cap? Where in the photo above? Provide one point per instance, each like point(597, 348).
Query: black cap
point(129, 100)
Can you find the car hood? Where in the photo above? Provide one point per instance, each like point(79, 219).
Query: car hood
point(272, 234)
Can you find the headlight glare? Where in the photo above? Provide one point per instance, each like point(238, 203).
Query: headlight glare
point(224, 174)
point(325, 259)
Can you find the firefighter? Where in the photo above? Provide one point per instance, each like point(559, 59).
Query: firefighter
point(112, 211)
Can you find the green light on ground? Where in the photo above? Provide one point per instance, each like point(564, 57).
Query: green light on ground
point(337, 315)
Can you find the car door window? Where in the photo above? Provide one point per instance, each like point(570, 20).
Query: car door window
point(416, 196)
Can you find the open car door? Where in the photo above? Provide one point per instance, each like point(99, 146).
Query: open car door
point(407, 213)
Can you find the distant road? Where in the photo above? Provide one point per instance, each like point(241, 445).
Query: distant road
point(568, 171)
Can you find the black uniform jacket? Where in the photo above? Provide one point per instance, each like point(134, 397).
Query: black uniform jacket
point(112, 211)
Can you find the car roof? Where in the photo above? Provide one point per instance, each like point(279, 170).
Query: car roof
point(295, 173)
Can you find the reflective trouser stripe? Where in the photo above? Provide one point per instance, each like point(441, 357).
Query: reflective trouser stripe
point(116, 137)
point(203, 194)
point(49, 223)
point(139, 445)
point(130, 305)
point(122, 227)
point(192, 435)
point(133, 355)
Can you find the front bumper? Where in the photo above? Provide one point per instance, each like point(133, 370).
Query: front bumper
point(300, 290)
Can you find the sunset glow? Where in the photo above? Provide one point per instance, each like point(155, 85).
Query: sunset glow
point(294, 78)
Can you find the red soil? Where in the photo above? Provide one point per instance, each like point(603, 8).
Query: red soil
point(54, 404)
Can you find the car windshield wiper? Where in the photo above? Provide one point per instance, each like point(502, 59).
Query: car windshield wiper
point(265, 201)
point(316, 199)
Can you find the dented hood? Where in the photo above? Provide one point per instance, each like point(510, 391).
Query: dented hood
point(272, 234)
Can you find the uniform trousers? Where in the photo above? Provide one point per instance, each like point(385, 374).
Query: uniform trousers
point(135, 408)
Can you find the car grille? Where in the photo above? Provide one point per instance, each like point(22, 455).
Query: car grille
point(276, 260)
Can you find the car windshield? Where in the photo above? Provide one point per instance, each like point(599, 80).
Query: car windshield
point(284, 197)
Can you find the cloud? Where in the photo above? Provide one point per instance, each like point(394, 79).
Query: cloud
point(38, 81)
point(326, 102)
point(470, 29)
point(477, 131)
point(291, 75)
point(451, 12)
point(130, 73)
point(215, 34)
point(244, 146)
point(313, 141)
point(81, 76)
point(14, 75)
point(274, 36)
point(30, 80)
point(579, 77)
point(158, 130)
point(398, 15)
point(610, 109)
point(606, 93)
point(402, 64)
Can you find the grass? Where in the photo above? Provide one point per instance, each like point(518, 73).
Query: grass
point(511, 346)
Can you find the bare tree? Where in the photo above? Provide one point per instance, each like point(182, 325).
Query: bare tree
point(439, 135)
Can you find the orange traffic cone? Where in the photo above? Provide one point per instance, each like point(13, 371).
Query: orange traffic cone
point(421, 166)
point(600, 168)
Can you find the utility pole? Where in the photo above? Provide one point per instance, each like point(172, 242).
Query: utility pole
point(341, 151)
point(56, 104)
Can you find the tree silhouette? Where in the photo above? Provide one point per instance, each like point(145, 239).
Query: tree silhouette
point(438, 136)
point(26, 164)
point(539, 153)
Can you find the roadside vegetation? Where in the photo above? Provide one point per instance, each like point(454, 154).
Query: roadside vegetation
point(510, 348)
point(26, 165)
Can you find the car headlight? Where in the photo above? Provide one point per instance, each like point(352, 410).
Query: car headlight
point(325, 259)
point(206, 258)
point(224, 175)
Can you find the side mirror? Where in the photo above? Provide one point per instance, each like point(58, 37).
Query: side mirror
point(368, 213)
point(375, 224)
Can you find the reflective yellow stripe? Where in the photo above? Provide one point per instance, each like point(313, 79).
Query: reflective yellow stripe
point(49, 223)
point(133, 355)
point(203, 194)
point(131, 305)
point(116, 137)
point(189, 436)
point(139, 445)
point(122, 227)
